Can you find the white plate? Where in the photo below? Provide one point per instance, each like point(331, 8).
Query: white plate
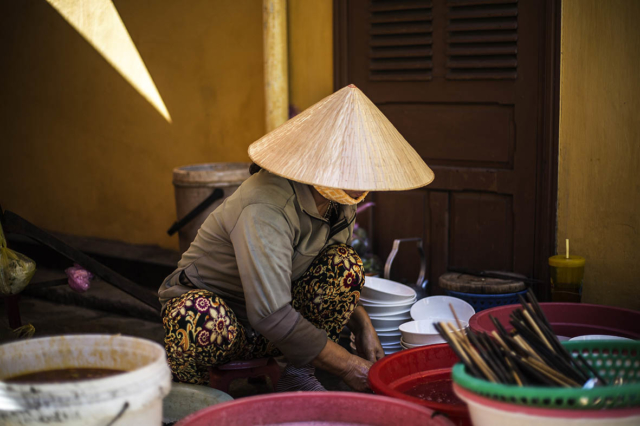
point(598, 337)
point(396, 332)
point(369, 302)
point(386, 329)
point(423, 332)
point(438, 307)
point(386, 291)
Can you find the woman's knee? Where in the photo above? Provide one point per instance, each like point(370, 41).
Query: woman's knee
point(346, 263)
point(199, 318)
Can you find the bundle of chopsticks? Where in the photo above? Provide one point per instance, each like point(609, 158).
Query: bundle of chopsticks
point(530, 354)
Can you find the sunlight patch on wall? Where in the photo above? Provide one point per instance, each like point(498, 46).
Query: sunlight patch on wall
point(99, 23)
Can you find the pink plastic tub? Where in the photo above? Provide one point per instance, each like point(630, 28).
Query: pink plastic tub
point(397, 374)
point(570, 319)
point(315, 408)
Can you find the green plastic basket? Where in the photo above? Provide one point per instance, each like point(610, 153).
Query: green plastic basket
point(611, 358)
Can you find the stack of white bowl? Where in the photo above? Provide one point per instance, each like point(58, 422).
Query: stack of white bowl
point(388, 304)
point(430, 310)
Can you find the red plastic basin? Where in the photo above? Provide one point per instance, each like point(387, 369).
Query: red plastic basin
point(312, 408)
point(395, 374)
point(570, 319)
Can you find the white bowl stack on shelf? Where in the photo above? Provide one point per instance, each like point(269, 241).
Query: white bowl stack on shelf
point(430, 310)
point(388, 304)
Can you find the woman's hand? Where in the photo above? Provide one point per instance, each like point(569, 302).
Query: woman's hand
point(368, 345)
point(356, 376)
point(367, 342)
point(351, 368)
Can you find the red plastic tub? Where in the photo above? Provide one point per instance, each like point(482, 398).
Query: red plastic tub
point(313, 408)
point(401, 372)
point(570, 319)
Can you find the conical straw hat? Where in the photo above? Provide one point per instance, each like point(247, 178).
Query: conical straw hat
point(344, 141)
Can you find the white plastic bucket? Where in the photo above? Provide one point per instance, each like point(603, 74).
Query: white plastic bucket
point(488, 412)
point(132, 398)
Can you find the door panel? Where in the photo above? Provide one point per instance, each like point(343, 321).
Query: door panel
point(460, 79)
point(481, 232)
point(466, 135)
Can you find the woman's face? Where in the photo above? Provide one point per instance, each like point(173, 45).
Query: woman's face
point(354, 194)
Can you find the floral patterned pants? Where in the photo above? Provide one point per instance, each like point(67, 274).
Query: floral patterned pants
point(202, 331)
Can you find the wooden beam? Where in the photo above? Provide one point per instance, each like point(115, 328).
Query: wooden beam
point(16, 224)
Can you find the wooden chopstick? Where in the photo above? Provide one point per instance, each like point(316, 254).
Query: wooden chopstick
point(529, 354)
point(453, 311)
point(458, 351)
point(473, 354)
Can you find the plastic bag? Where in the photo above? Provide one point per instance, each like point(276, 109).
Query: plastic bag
point(16, 270)
point(79, 278)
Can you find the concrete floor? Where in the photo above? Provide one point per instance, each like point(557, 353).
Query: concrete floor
point(55, 311)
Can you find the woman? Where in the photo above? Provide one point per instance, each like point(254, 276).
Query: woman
point(270, 272)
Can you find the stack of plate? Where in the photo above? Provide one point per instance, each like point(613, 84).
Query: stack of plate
point(426, 312)
point(388, 304)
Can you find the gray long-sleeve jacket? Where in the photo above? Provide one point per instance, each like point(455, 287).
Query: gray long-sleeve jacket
point(250, 249)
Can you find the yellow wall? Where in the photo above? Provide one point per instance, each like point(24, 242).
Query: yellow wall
point(599, 193)
point(83, 153)
point(310, 51)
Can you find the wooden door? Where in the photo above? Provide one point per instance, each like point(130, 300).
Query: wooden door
point(464, 82)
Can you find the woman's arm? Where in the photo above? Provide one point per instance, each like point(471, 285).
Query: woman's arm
point(367, 341)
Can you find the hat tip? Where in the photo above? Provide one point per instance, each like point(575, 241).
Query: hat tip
point(353, 86)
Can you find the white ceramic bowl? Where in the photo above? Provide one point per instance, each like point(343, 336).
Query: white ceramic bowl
point(390, 333)
point(369, 302)
point(424, 332)
point(406, 315)
point(598, 337)
point(388, 340)
point(386, 291)
point(438, 307)
point(389, 351)
point(386, 330)
point(409, 345)
point(387, 310)
point(393, 338)
point(390, 323)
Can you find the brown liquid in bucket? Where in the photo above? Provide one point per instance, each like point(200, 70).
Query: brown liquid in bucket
point(64, 375)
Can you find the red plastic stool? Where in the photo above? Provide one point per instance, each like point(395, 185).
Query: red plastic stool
point(221, 376)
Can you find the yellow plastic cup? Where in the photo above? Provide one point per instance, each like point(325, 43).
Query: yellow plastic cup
point(566, 278)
